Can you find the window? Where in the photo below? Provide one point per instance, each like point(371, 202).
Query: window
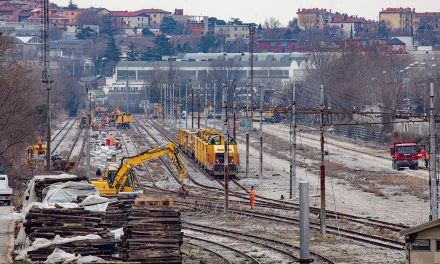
point(421, 245)
point(283, 44)
point(235, 29)
point(273, 44)
point(437, 245)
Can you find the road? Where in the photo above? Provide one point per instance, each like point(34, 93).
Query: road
point(355, 156)
point(6, 234)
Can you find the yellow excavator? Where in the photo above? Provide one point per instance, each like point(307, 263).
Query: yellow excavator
point(124, 179)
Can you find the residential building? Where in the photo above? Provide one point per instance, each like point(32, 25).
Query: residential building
point(399, 19)
point(392, 45)
point(313, 18)
point(276, 45)
point(350, 26)
point(428, 18)
point(21, 28)
point(193, 25)
point(55, 19)
point(128, 23)
point(72, 16)
point(156, 16)
point(232, 32)
point(9, 12)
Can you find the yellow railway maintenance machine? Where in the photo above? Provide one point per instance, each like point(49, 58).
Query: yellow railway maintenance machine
point(207, 148)
point(36, 154)
point(124, 179)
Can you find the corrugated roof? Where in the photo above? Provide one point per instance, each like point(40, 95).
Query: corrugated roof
point(137, 12)
point(419, 228)
point(201, 64)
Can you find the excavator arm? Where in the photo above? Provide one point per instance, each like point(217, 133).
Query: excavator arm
point(128, 163)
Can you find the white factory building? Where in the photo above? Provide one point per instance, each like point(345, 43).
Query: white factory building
point(202, 67)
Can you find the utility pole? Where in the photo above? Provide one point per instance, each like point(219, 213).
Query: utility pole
point(192, 107)
point(247, 154)
point(206, 106)
point(261, 135)
point(149, 101)
point(251, 62)
point(226, 154)
point(126, 89)
point(87, 134)
point(234, 130)
point(293, 146)
point(322, 168)
point(215, 105)
point(198, 107)
point(186, 105)
point(46, 78)
point(180, 106)
point(89, 116)
point(174, 106)
point(432, 158)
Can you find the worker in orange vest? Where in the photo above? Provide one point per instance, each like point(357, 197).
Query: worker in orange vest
point(426, 160)
point(110, 140)
point(252, 194)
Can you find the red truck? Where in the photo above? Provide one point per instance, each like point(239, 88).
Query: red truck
point(404, 154)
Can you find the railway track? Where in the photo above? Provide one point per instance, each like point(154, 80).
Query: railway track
point(57, 140)
point(365, 238)
point(292, 205)
point(255, 237)
point(238, 256)
point(247, 258)
point(289, 251)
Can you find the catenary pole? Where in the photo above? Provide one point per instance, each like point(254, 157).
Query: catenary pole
point(432, 157)
point(293, 146)
point(322, 167)
point(226, 156)
point(261, 135)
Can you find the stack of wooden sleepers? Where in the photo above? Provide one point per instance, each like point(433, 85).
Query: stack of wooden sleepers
point(116, 214)
point(41, 184)
point(47, 223)
point(152, 235)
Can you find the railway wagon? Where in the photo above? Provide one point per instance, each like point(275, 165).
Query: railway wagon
point(208, 148)
point(186, 141)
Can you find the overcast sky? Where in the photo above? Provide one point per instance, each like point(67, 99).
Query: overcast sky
point(259, 10)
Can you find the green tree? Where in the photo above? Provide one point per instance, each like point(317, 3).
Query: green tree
point(235, 21)
point(151, 54)
point(426, 34)
point(169, 26)
point(112, 52)
point(207, 43)
point(147, 33)
point(162, 43)
point(85, 33)
point(382, 30)
point(132, 54)
point(161, 47)
point(72, 6)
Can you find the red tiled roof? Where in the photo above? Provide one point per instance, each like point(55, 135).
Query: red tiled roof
point(311, 10)
point(137, 12)
point(428, 14)
point(348, 20)
point(396, 10)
